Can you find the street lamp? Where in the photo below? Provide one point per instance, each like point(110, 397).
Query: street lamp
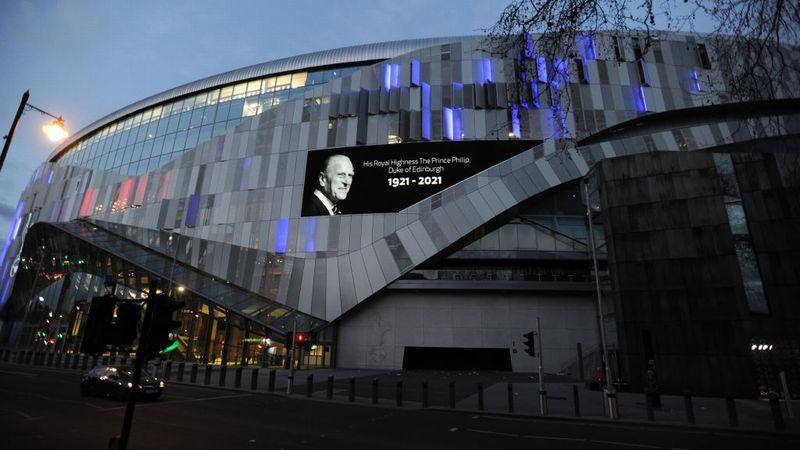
point(55, 130)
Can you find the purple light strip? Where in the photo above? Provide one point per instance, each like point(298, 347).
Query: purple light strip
point(282, 235)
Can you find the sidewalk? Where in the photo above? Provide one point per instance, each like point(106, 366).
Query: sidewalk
point(753, 414)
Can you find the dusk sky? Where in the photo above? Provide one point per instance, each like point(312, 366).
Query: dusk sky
point(86, 59)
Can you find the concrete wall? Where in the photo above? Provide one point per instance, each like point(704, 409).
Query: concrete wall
point(375, 334)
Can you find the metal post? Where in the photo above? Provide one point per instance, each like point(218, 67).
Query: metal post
point(271, 381)
point(291, 359)
point(576, 401)
point(329, 393)
point(581, 374)
point(181, 368)
point(480, 397)
point(237, 377)
point(542, 391)
point(452, 390)
point(309, 385)
point(787, 398)
point(13, 128)
point(399, 394)
point(425, 394)
point(223, 371)
point(137, 370)
point(207, 374)
point(687, 401)
point(254, 379)
point(610, 406)
point(777, 417)
point(351, 391)
point(510, 397)
point(168, 370)
point(374, 391)
point(193, 374)
point(733, 417)
point(649, 402)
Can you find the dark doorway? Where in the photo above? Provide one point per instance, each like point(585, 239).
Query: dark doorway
point(444, 358)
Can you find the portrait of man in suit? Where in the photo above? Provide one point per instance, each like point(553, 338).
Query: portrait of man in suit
point(334, 182)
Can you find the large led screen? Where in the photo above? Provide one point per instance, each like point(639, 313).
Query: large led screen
point(389, 178)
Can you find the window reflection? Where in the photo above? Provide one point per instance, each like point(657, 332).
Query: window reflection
point(215, 110)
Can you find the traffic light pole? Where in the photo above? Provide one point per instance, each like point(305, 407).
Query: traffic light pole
point(127, 422)
point(290, 381)
point(542, 392)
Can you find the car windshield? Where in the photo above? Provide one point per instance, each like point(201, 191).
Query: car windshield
point(127, 376)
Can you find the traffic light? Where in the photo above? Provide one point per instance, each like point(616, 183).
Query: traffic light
point(301, 339)
point(530, 347)
point(126, 325)
point(98, 324)
point(158, 340)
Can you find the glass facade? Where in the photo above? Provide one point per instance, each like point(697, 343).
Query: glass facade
point(144, 141)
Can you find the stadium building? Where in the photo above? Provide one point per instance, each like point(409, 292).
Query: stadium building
point(420, 204)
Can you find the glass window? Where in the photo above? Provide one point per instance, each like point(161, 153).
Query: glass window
point(239, 90)
point(173, 123)
point(269, 84)
point(254, 87)
point(250, 107)
point(205, 133)
point(236, 109)
point(751, 277)
point(191, 138)
point(299, 79)
point(180, 141)
point(736, 218)
point(197, 118)
point(225, 93)
point(213, 97)
point(146, 115)
point(222, 111)
point(184, 122)
point(141, 133)
point(169, 144)
point(146, 150)
point(161, 129)
point(208, 114)
point(283, 81)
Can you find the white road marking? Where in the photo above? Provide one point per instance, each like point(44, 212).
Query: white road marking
point(625, 444)
point(168, 402)
point(492, 432)
point(24, 374)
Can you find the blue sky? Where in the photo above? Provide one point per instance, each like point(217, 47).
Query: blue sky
point(85, 59)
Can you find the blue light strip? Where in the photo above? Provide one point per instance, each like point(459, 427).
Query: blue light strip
point(50, 177)
point(247, 163)
point(395, 75)
point(426, 111)
point(515, 121)
point(695, 81)
point(192, 210)
point(414, 72)
point(447, 123)
point(387, 77)
point(311, 229)
point(282, 235)
point(535, 94)
point(487, 71)
point(641, 99)
point(588, 47)
point(528, 51)
point(541, 69)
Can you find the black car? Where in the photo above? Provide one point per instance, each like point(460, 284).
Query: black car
point(118, 383)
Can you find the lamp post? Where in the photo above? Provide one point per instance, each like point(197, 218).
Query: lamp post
point(54, 130)
point(176, 235)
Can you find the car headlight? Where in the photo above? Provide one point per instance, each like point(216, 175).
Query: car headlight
point(130, 385)
point(161, 384)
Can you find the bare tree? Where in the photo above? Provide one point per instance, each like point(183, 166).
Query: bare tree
point(754, 43)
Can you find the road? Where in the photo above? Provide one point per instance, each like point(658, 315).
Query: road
point(40, 408)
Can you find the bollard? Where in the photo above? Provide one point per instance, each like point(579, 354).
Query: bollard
point(777, 416)
point(237, 377)
point(425, 394)
point(399, 394)
point(733, 417)
point(510, 397)
point(613, 411)
point(480, 397)
point(576, 401)
point(207, 375)
point(168, 370)
point(649, 403)
point(223, 372)
point(689, 407)
point(581, 376)
point(254, 379)
point(271, 386)
point(329, 392)
point(374, 391)
point(290, 384)
point(193, 373)
point(351, 393)
point(543, 403)
point(310, 385)
point(181, 369)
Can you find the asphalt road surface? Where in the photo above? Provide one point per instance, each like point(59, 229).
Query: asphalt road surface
point(40, 408)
